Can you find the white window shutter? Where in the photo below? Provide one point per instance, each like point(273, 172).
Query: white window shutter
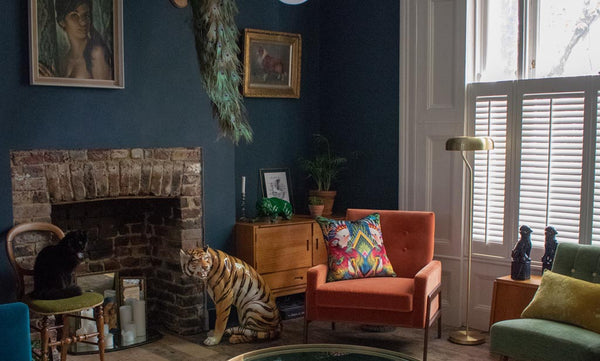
point(489, 170)
point(551, 164)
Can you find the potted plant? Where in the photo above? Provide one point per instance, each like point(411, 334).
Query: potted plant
point(315, 206)
point(323, 169)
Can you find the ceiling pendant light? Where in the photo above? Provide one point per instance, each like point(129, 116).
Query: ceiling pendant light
point(292, 2)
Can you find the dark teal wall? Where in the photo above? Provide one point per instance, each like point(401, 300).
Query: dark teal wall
point(163, 104)
point(349, 91)
point(359, 97)
point(282, 127)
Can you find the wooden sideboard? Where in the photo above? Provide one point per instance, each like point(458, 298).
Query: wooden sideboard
point(282, 251)
point(510, 297)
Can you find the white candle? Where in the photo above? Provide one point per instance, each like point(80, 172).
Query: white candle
point(108, 341)
point(125, 313)
point(139, 317)
point(243, 184)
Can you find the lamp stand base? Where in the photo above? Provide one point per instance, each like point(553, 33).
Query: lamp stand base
point(465, 337)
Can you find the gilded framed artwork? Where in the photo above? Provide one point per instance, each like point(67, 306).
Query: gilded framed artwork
point(76, 43)
point(272, 64)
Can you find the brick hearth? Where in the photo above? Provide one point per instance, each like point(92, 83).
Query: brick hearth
point(138, 206)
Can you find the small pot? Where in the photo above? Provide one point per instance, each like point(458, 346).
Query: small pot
point(327, 197)
point(316, 210)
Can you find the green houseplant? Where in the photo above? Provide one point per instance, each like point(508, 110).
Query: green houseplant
point(315, 206)
point(323, 169)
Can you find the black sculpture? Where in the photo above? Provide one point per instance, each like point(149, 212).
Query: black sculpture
point(550, 248)
point(521, 262)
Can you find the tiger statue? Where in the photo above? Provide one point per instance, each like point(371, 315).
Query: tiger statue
point(232, 282)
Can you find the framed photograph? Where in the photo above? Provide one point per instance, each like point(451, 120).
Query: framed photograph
point(275, 182)
point(132, 288)
point(76, 43)
point(271, 64)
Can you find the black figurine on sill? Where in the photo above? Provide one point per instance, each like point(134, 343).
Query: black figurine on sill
point(521, 262)
point(549, 248)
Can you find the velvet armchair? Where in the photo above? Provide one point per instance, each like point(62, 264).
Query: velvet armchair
point(412, 299)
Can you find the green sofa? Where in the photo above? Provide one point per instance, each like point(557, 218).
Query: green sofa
point(545, 340)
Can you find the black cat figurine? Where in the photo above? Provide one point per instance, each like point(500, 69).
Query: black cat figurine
point(521, 260)
point(549, 248)
point(53, 272)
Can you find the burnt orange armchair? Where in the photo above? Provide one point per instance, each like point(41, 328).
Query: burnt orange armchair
point(412, 299)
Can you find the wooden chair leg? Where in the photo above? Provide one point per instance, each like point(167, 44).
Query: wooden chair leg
point(65, 330)
point(439, 335)
point(99, 315)
point(44, 338)
point(333, 326)
point(306, 322)
point(425, 341)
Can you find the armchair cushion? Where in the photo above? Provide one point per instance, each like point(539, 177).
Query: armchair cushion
point(377, 293)
point(355, 248)
point(566, 299)
point(543, 340)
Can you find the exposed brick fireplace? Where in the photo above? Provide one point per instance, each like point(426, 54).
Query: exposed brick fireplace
point(138, 206)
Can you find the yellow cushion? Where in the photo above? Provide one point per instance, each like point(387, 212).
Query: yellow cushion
point(64, 305)
point(566, 299)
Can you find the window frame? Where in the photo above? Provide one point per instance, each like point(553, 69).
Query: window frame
point(515, 91)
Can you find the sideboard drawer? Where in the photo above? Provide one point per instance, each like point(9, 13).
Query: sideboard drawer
point(289, 278)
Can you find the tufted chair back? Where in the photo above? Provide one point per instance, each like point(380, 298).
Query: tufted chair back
point(408, 237)
point(579, 261)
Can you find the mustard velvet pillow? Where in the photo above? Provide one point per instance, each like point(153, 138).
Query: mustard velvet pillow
point(566, 299)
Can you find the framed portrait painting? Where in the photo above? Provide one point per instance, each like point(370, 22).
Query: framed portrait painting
point(76, 43)
point(275, 182)
point(271, 64)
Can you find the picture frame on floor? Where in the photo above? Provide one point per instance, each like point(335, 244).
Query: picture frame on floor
point(132, 288)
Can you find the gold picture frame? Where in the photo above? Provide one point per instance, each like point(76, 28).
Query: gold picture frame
point(53, 28)
point(272, 64)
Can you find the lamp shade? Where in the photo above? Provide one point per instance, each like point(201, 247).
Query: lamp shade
point(469, 143)
point(292, 2)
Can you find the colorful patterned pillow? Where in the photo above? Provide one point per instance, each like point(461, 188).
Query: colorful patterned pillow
point(355, 248)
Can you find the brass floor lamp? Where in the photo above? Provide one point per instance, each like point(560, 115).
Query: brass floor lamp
point(467, 144)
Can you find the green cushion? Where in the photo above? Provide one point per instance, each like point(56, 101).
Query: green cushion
point(64, 305)
point(543, 340)
point(566, 299)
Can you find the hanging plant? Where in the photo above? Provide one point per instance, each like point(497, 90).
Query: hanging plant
point(218, 54)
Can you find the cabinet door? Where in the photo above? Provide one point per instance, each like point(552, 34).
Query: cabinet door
point(319, 249)
point(282, 248)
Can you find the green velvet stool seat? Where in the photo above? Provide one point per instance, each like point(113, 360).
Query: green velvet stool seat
point(72, 304)
point(61, 309)
point(539, 339)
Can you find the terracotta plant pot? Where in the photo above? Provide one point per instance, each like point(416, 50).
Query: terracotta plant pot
point(316, 210)
point(327, 197)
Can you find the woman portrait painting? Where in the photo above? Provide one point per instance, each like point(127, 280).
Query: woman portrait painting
point(75, 39)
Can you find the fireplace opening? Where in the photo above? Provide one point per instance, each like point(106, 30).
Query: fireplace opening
point(138, 207)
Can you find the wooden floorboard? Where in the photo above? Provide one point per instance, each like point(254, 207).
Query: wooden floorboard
point(407, 341)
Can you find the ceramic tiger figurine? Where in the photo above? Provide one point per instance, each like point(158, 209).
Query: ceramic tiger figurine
point(232, 282)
